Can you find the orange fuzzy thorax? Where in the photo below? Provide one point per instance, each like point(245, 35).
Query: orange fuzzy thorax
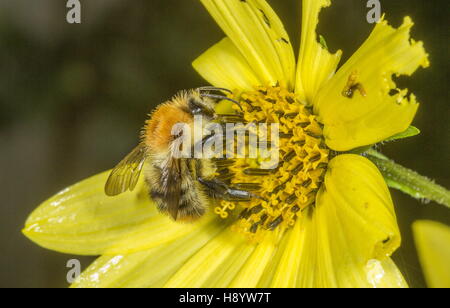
point(157, 133)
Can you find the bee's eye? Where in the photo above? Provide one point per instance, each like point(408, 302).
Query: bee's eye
point(198, 107)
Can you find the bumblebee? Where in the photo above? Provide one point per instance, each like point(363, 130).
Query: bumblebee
point(181, 187)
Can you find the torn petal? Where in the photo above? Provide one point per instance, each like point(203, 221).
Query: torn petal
point(316, 64)
point(360, 105)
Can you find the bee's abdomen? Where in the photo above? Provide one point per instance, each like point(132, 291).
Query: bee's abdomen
point(191, 201)
point(189, 206)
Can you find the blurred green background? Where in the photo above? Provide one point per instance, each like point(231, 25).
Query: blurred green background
point(73, 98)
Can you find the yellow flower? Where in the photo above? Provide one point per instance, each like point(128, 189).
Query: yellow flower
point(433, 245)
point(328, 220)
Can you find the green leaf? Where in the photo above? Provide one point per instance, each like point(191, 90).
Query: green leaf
point(410, 132)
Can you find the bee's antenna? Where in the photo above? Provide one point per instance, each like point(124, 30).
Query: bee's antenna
point(221, 97)
point(210, 88)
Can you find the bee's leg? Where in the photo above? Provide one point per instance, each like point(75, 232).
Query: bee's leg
point(219, 190)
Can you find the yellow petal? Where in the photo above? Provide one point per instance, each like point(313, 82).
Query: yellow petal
point(259, 35)
point(223, 66)
point(346, 240)
point(83, 220)
point(148, 268)
point(269, 277)
point(288, 264)
point(355, 223)
point(250, 274)
point(433, 245)
point(216, 264)
point(374, 113)
point(296, 267)
point(316, 64)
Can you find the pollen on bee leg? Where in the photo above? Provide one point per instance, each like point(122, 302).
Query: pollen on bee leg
point(289, 189)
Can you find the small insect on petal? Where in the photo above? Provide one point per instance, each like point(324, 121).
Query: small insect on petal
point(352, 86)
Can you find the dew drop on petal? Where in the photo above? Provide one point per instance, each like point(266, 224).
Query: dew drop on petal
point(375, 272)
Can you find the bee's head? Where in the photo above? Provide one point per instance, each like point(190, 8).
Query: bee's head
point(201, 106)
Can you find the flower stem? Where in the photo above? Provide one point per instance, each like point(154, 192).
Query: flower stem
point(409, 181)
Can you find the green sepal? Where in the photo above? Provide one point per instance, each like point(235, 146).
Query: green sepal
point(410, 132)
point(409, 181)
point(404, 188)
point(361, 150)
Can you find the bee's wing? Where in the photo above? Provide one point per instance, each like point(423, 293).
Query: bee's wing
point(126, 174)
point(171, 185)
